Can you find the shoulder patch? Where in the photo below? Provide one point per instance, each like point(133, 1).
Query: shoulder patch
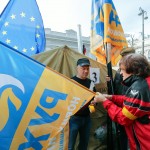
point(134, 92)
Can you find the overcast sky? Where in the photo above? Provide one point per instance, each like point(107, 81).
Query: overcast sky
point(61, 15)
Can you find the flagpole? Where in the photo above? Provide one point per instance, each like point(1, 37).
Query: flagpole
point(110, 138)
point(110, 145)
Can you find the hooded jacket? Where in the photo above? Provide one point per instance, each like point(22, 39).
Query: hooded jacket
point(133, 111)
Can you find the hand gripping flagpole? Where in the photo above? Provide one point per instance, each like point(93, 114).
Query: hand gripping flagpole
point(107, 31)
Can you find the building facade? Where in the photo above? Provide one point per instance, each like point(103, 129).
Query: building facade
point(56, 39)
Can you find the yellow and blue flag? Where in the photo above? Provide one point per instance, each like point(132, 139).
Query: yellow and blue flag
point(21, 27)
point(106, 28)
point(35, 103)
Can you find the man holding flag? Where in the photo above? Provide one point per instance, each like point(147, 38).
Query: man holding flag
point(80, 123)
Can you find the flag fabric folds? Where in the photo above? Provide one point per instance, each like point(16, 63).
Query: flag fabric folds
point(34, 106)
point(21, 27)
point(106, 28)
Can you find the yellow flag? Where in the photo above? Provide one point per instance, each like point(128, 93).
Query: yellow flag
point(36, 103)
point(106, 28)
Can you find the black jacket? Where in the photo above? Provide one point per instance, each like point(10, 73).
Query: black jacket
point(84, 111)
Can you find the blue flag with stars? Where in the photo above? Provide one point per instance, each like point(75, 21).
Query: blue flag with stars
point(21, 27)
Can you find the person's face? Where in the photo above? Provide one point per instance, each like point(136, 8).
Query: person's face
point(123, 72)
point(82, 72)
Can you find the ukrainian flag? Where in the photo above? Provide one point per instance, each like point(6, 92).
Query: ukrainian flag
point(35, 103)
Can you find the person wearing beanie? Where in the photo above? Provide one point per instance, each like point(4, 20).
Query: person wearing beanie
point(127, 50)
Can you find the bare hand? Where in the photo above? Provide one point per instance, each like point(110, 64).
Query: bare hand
point(107, 96)
point(108, 78)
point(99, 97)
point(93, 103)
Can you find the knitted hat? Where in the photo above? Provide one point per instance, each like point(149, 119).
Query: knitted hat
point(127, 50)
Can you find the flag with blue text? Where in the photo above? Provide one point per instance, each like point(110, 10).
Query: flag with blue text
point(106, 28)
point(21, 27)
point(34, 106)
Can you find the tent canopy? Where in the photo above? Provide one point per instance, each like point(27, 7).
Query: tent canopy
point(63, 60)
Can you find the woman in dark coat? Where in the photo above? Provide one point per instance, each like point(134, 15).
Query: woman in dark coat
point(132, 110)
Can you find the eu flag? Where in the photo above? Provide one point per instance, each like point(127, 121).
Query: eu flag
point(21, 27)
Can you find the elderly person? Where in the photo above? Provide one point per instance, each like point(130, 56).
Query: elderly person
point(132, 110)
point(80, 123)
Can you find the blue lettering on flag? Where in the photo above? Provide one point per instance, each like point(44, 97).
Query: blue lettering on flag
point(52, 94)
point(46, 118)
point(112, 18)
point(33, 142)
point(96, 23)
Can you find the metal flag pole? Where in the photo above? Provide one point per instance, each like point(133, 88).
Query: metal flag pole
point(110, 145)
point(110, 138)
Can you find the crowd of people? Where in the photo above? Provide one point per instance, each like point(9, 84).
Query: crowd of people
point(129, 106)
